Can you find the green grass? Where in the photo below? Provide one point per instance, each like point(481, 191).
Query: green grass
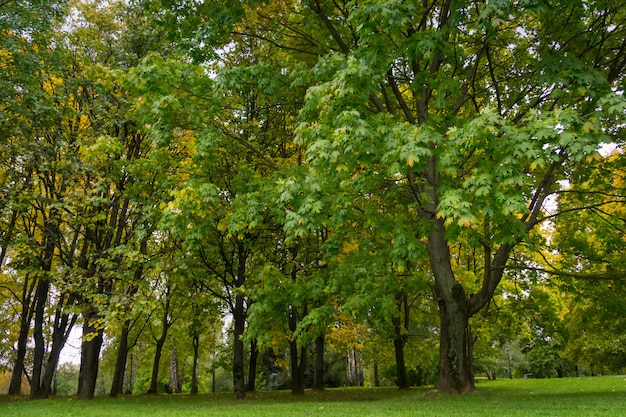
point(599, 396)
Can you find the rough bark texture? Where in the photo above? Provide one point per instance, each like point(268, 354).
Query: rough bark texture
point(455, 373)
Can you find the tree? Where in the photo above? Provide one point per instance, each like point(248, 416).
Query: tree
point(472, 109)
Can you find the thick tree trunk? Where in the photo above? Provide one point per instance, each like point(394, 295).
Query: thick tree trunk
point(455, 373)
point(117, 385)
point(90, 356)
point(318, 374)
point(252, 365)
point(401, 375)
point(195, 341)
point(239, 318)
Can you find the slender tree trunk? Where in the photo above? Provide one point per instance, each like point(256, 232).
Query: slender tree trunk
point(239, 318)
point(39, 351)
point(117, 386)
point(174, 382)
point(154, 380)
point(195, 341)
point(297, 356)
point(63, 324)
point(129, 375)
point(318, 374)
point(254, 356)
point(15, 386)
point(376, 375)
point(401, 324)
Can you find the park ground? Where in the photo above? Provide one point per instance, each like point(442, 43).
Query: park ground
point(592, 396)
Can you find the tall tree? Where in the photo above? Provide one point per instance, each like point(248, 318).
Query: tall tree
point(472, 109)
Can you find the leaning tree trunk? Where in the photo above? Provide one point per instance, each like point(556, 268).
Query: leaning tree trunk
point(117, 385)
point(15, 386)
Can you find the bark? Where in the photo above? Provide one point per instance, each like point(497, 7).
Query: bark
point(117, 385)
point(376, 375)
point(154, 380)
point(252, 365)
point(129, 375)
point(90, 356)
point(401, 324)
point(195, 341)
point(174, 384)
point(318, 374)
point(455, 373)
point(298, 366)
point(26, 316)
point(297, 355)
point(41, 296)
point(63, 324)
point(239, 318)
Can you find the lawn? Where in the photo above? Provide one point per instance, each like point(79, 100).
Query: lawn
point(598, 396)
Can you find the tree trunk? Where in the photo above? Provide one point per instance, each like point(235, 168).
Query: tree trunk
point(41, 296)
point(239, 318)
point(90, 356)
point(117, 385)
point(195, 341)
point(167, 322)
point(129, 375)
point(254, 356)
point(174, 383)
point(318, 374)
point(401, 324)
point(63, 324)
point(455, 373)
point(154, 380)
point(376, 375)
point(15, 386)
point(298, 364)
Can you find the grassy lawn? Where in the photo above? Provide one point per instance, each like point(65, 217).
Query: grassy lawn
point(599, 396)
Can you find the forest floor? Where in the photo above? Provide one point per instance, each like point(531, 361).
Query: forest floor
point(590, 396)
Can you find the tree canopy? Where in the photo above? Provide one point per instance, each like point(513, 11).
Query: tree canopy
point(418, 186)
